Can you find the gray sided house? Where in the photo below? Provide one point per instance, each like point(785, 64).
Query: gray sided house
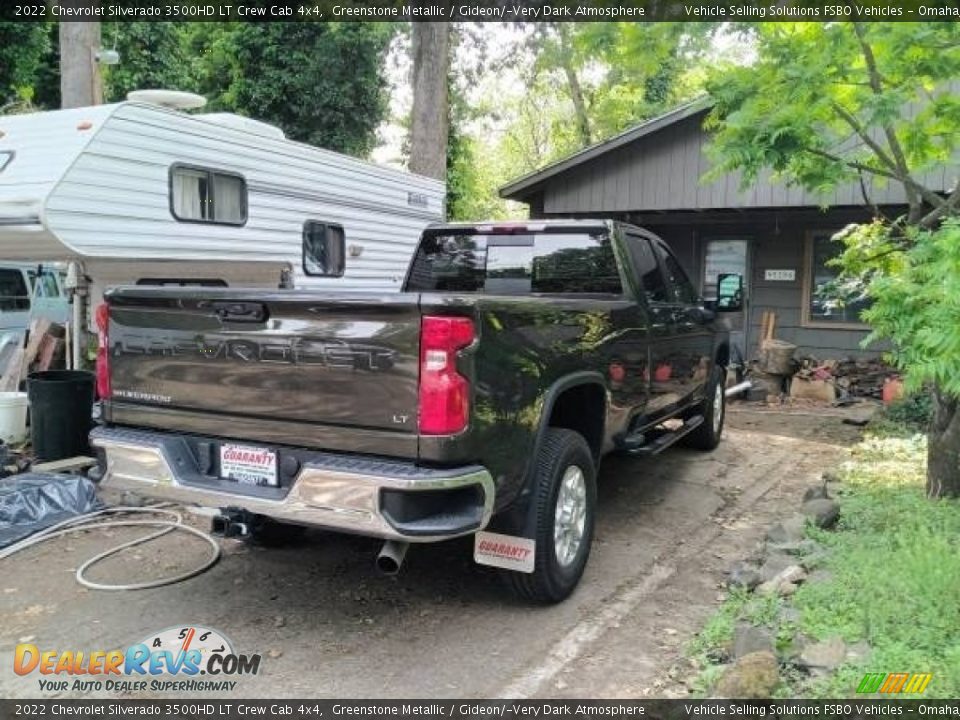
point(778, 237)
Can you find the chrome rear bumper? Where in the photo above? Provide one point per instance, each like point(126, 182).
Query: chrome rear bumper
point(338, 492)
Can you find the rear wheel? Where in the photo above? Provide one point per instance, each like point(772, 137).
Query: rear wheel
point(714, 411)
point(566, 498)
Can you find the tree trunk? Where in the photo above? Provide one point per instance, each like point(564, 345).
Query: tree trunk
point(943, 448)
point(430, 124)
point(80, 83)
point(574, 87)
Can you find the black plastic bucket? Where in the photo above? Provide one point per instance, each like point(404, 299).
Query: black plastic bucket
point(61, 406)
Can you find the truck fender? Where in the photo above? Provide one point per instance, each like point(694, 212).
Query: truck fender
point(520, 518)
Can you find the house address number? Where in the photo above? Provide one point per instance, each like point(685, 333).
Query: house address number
point(782, 275)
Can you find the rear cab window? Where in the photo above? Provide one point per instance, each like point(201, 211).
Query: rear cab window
point(549, 261)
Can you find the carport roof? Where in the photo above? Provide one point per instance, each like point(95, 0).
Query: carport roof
point(517, 189)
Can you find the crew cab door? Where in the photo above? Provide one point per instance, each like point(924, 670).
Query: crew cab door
point(680, 341)
point(690, 346)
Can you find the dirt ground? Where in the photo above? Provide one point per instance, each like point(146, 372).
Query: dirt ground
point(328, 626)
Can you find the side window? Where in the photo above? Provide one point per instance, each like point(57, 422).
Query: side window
point(49, 281)
point(44, 285)
point(324, 249)
point(677, 279)
point(210, 196)
point(14, 293)
point(648, 270)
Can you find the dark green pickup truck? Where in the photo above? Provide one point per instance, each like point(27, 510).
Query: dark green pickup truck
point(480, 400)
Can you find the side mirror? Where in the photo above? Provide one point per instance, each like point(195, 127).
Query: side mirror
point(729, 292)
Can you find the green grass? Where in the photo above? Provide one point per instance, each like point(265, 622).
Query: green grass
point(895, 565)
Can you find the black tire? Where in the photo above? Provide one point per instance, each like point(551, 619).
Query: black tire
point(707, 436)
point(551, 581)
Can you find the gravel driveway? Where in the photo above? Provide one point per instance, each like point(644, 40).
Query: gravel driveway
point(327, 626)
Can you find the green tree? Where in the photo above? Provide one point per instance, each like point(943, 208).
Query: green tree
point(618, 74)
point(322, 83)
point(152, 55)
point(25, 48)
point(872, 103)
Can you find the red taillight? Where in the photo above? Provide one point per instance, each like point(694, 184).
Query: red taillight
point(444, 393)
point(103, 351)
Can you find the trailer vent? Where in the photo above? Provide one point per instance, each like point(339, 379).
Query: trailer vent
point(173, 99)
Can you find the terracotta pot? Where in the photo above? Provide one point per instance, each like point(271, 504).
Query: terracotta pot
point(892, 390)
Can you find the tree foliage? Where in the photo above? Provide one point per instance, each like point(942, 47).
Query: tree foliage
point(322, 83)
point(618, 74)
point(152, 55)
point(916, 293)
point(828, 103)
point(25, 48)
point(872, 103)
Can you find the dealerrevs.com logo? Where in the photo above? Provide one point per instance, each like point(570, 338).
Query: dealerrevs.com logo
point(179, 659)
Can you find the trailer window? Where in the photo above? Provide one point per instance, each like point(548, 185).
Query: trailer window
point(323, 249)
point(208, 196)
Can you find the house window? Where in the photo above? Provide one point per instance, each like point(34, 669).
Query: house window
point(323, 249)
point(827, 302)
point(207, 196)
point(5, 157)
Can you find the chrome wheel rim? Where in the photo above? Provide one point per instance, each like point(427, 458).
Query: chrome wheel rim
point(570, 517)
point(717, 408)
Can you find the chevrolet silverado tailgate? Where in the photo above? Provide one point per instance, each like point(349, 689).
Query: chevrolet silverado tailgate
point(261, 357)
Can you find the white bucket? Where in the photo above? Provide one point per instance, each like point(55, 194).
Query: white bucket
point(13, 417)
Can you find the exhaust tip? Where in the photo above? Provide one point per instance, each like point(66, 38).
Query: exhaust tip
point(387, 565)
point(390, 557)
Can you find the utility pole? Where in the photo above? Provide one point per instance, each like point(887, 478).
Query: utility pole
point(80, 86)
point(80, 83)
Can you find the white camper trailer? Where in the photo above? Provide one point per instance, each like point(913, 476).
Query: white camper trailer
point(142, 192)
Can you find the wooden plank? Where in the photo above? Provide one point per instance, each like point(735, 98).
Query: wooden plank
point(10, 381)
point(80, 462)
point(38, 331)
point(51, 349)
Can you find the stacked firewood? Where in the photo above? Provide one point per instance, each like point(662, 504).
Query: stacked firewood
point(852, 377)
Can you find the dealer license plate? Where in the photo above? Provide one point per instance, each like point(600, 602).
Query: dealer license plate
point(248, 465)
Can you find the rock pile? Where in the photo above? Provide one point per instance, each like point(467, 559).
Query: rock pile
point(789, 559)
